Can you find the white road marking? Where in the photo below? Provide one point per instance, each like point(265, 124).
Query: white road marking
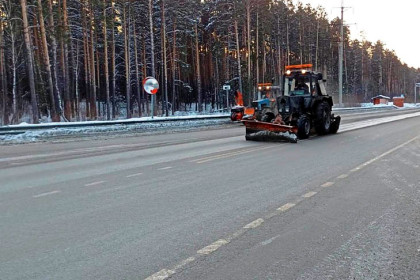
point(309, 194)
point(184, 263)
point(161, 275)
point(134, 175)
point(383, 155)
point(212, 247)
point(226, 155)
point(327, 184)
point(94, 183)
point(286, 207)
point(165, 168)
point(254, 224)
point(343, 176)
point(45, 194)
point(268, 241)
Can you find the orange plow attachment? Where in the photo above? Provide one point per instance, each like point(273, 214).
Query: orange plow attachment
point(264, 131)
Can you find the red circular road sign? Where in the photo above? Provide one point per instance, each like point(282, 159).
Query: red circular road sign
point(150, 85)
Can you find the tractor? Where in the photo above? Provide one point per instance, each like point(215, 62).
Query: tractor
point(303, 104)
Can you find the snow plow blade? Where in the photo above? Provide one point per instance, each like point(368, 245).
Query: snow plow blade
point(264, 131)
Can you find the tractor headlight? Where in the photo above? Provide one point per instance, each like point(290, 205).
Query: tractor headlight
point(288, 72)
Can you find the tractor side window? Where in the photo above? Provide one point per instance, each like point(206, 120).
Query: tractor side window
point(314, 88)
point(289, 86)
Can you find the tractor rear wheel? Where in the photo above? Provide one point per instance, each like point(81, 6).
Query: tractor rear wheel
point(335, 125)
point(323, 118)
point(304, 127)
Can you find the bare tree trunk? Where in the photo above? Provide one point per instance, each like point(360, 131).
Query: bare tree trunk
point(108, 109)
point(198, 74)
point(238, 56)
point(126, 24)
point(165, 66)
point(113, 68)
point(174, 58)
point(30, 62)
point(93, 109)
point(3, 78)
point(55, 116)
point(14, 75)
point(66, 71)
point(86, 60)
point(152, 47)
point(136, 59)
point(144, 76)
point(76, 86)
point(54, 47)
point(248, 19)
point(257, 49)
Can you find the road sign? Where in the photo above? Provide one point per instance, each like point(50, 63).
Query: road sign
point(150, 85)
point(226, 87)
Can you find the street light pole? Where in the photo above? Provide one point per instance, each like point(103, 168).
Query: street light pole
point(340, 60)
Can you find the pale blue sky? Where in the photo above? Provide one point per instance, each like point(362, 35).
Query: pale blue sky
point(395, 23)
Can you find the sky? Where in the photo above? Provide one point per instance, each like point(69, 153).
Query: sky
point(395, 23)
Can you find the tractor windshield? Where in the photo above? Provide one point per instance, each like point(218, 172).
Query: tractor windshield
point(297, 85)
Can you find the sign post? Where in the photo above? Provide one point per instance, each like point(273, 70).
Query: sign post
point(227, 88)
point(151, 86)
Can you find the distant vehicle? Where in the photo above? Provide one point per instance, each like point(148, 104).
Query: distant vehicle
point(239, 111)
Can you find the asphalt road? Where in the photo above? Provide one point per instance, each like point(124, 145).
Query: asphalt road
point(210, 205)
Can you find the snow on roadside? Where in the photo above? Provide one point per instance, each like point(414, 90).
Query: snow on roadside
point(110, 130)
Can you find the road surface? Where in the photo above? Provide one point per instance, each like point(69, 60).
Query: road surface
point(210, 205)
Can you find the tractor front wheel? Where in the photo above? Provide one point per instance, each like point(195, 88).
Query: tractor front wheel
point(304, 127)
point(268, 117)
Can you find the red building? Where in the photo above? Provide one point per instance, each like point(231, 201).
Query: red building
point(380, 99)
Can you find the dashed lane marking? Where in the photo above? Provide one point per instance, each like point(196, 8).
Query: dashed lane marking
point(327, 184)
point(226, 155)
point(94, 183)
point(309, 194)
point(165, 168)
point(134, 175)
point(161, 275)
point(254, 224)
point(343, 176)
point(46, 194)
point(212, 247)
point(286, 207)
point(184, 263)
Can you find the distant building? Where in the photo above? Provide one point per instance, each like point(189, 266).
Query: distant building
point(398, 101)
point(380, 99)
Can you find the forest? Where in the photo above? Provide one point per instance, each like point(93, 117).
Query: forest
point(77, 60)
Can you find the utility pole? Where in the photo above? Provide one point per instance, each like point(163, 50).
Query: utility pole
point(340, 59)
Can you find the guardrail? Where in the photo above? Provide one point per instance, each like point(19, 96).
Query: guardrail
point(16, 129)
